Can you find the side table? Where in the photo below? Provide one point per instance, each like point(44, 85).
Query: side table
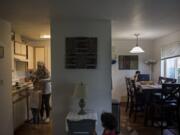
point(81, 124)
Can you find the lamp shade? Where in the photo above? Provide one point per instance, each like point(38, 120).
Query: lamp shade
point(136, 49)
point(80, 91)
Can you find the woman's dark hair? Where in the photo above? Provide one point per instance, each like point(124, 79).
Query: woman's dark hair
point(108, 121)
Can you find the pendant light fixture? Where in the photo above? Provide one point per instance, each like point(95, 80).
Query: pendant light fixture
point(137, 48)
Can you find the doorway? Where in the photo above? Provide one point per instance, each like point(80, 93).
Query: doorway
point(37, 51)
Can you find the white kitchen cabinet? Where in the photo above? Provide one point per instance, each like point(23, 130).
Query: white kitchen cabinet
point(23, 49)
point(17, 48)
point(20, 101)
point(12, 52)
point(20, 49)
point(30, 57)
point(19, 113)
point(39, 55)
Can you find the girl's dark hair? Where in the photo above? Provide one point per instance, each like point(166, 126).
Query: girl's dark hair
point(108, 121)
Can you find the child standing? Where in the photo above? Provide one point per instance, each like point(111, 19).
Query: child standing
point(109, 123)
point(35, 102)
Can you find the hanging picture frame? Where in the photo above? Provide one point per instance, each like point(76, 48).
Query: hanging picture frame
point(128, 62)
point(1, 52)
point(81, 53)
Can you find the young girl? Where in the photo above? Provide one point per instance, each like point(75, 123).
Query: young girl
point(109, 123)
point(35, 102)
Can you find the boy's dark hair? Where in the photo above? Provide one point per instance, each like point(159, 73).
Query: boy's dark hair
point(108, 121)
point(138, 72)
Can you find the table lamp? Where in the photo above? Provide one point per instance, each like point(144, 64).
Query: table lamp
point(80, 92)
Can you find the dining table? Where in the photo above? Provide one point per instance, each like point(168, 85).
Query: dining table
point(148, 90)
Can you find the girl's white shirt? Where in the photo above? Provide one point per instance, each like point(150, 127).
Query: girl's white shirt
point(35, 99)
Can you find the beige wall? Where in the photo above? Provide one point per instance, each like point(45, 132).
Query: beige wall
point(6, 127)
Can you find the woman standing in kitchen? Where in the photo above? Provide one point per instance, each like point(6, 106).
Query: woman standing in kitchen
point(43, 77)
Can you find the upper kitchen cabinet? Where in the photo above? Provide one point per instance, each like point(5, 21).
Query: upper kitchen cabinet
point(20, 49)
point(39, 55)
point(30, 57)
point(24, 50)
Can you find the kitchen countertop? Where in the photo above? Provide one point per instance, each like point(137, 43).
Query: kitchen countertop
point(23, 87)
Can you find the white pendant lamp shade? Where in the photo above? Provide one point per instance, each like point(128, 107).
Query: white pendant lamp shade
point(137, 48)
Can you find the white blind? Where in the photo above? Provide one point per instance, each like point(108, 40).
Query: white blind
point(170, 50)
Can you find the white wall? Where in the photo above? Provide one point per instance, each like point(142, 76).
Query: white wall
point(122, 47)
point(158, 44)
point(6, 127)
point(63, 80)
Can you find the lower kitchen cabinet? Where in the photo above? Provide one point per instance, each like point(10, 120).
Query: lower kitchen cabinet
point(19, 113)
point(20, 107)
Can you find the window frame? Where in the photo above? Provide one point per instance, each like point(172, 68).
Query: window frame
point(164, 66)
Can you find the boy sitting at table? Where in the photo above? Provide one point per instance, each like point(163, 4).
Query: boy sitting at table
point(136, 76)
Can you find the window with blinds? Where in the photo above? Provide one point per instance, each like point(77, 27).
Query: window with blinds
point(170, 51)
point(170, 61)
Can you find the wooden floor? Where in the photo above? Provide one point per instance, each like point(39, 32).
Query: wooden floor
point(128, 127)
point(31, 129)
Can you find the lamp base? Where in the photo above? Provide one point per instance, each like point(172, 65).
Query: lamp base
point(82, 104)
point(81, 112)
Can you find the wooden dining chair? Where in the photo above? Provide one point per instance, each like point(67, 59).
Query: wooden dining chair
point(167, 106)
point(129, 93)
point(170, 80)
point(166, 80)
point(161, 80)
point(137, 103)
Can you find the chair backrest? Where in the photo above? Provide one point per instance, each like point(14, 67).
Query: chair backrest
point(170, 80)
point(161, 80)
point(82, 127)
point(133, 86)
point(166, 80)
point(138, 96)
point(170, 92)
point(127, 80)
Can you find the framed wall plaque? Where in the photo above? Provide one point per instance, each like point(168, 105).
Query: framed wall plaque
point(81, 53)
point(1, 52)
point(128, 62)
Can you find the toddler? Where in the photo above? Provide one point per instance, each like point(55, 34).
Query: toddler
point(35, 102)
point(109, 123)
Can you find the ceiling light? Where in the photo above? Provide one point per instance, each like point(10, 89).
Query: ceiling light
point(45, 36)
point(137, 48)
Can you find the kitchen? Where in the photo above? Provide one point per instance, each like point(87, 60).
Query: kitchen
point(25, 55)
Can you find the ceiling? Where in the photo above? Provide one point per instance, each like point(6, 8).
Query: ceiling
point(28, 17)
point(151, 18)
